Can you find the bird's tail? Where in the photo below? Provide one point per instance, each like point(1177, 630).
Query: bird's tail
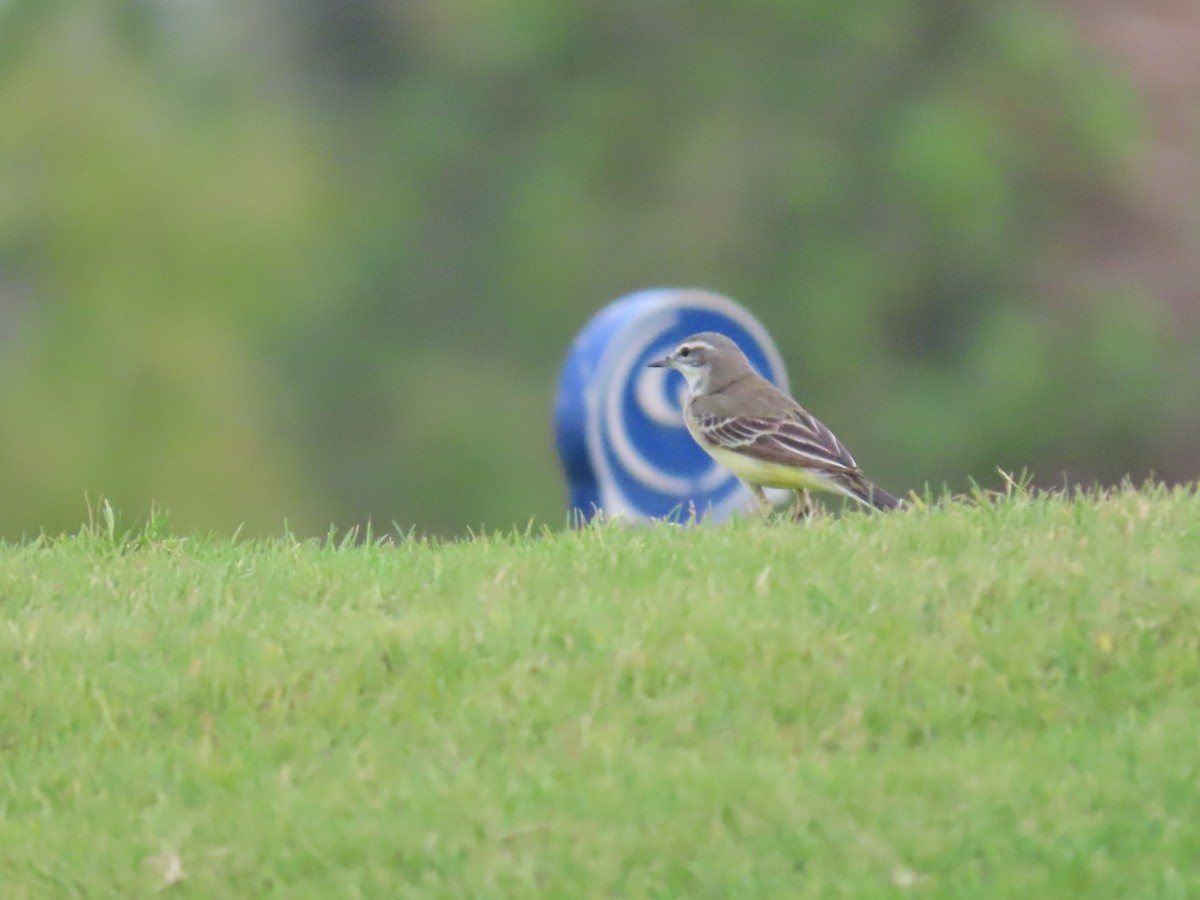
point(869, 494)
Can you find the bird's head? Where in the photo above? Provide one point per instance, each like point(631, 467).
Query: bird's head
point(707, 360)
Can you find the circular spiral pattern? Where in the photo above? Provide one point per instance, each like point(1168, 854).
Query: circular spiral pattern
point(644, 462)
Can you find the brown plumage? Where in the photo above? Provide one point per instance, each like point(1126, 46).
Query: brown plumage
point(760, 433)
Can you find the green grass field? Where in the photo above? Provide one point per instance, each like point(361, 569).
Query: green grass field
point(993, 699)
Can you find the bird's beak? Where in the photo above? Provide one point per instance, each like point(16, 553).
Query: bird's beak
point(664, 363)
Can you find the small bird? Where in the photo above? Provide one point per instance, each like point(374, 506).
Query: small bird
point(758, 432)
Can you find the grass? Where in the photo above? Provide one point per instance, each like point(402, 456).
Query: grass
point(993, 699)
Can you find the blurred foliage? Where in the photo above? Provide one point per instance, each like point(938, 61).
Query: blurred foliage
point(320, 262)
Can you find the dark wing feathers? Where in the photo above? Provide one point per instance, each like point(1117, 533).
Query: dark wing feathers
point(799, 439)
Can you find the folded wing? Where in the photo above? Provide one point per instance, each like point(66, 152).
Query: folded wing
point(799, 440)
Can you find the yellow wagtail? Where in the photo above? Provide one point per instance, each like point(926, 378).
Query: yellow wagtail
point(758, 432)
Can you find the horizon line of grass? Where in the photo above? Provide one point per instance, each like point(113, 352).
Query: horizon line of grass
point(106, 524)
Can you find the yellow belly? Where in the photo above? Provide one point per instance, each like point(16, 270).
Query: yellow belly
point(774, 475)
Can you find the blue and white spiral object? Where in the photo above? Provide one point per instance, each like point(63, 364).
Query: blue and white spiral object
point(619, 424)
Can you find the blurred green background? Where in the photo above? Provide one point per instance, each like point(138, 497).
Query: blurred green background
point(319, 262)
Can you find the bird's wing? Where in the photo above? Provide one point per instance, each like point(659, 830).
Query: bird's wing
point(797, 440)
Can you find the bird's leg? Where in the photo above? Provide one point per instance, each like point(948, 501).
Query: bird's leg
point(764, 505)
point(802, 506)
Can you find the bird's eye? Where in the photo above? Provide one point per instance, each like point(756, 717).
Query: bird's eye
point(685, 351)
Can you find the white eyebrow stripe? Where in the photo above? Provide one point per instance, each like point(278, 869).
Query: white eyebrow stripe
point(697, 345)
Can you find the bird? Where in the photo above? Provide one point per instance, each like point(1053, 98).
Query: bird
point(759, 433)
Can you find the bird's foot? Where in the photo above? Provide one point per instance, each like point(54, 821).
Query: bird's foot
point(802, 506)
